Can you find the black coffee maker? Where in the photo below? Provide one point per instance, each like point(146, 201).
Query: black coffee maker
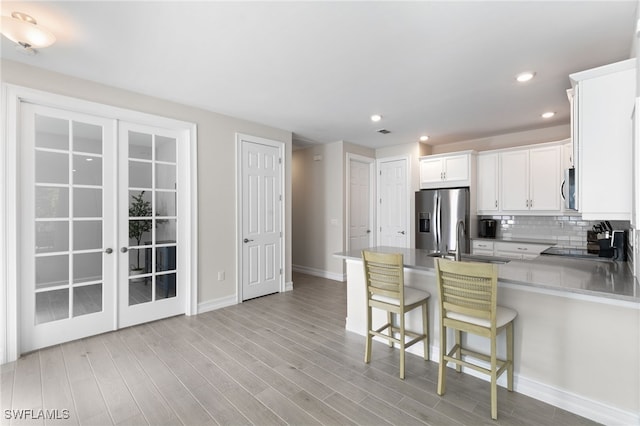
point(487, 228)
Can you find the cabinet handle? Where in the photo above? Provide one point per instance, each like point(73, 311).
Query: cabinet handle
point(496, 204)
point(523, 248)
point(482, 245)
point(530, 203)
point(444, 175)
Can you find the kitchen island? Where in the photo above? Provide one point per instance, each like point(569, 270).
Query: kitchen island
point(577, 334)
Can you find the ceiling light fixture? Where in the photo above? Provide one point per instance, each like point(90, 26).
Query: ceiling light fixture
point(376, 117)
point(424, 138)
point(548, 114)
point(523, 77)
point(23, 30)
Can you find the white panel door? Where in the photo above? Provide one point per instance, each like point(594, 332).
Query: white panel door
point(67, 233)
point(360, 220)
point(393, 203)
point(261, 219)
point(150, 243)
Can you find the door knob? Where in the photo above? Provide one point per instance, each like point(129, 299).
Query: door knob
point(109, 250)
point(246, 240)
point(124, 249)
point(368, 231)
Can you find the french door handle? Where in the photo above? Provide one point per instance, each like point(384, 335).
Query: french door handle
point(124, 249)
point(246, 240)
point(109, 250)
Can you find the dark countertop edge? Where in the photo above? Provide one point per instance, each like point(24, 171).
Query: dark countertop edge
point(518, 240)
point(595, 296)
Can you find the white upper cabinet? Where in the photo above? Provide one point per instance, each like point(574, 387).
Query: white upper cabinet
point(531, 179)
point(488, 179)
point(603, 99)
point(445, 170)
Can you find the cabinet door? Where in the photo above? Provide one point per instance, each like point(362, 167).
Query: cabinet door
point(605, 105)
point(487, 182)
point(456, 167)
point(514, 185)
point(544, 178)
point(430, 170)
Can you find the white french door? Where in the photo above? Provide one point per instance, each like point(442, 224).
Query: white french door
point(103, 242)
point(67, 226)
point(150, 285)
point(261, 211)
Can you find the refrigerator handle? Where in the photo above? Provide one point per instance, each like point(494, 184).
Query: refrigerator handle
point(437, 224)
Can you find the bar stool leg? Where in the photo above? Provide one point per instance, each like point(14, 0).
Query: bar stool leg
point(510, 356)
point(442, 365)
point(425, 328)
point(367, 349)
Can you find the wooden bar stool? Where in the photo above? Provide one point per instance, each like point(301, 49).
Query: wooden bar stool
point(384, 273)
point(468, 303)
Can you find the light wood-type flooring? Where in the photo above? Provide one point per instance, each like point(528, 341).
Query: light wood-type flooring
point(280, 359)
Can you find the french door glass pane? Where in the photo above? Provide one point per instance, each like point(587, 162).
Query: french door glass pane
point(139, 261)
point(165, 176)
point(87, 170)
point(140, 146)
point(52, 202)
point(87, 299)
point(165, 149)
point(87, 267)
point(52, 236)
point(165, 286)
point(52, 133)
point(87, 138)
point(140, 291)
point(87, 235)
point(87, 202)
point(140, 204)
point(52, 271)
point(165, 203)
point(140, 174)
point(52, 167)
point(52, 305)
point(166, 231)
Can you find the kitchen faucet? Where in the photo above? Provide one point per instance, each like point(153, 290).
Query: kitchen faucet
point(458, 251)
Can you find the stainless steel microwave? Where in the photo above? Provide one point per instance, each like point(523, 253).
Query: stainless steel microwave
point(569, 190)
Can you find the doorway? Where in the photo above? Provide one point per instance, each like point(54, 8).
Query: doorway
point(77, 194)
point(360, 196)
point(260, 210)
point(393, 206)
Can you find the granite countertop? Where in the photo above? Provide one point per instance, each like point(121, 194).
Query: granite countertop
point(522, 240)
point(603, 279)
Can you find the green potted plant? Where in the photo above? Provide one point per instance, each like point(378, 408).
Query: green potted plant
point(139, 207)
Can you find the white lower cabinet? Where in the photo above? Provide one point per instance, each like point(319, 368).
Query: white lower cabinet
point(509, 250)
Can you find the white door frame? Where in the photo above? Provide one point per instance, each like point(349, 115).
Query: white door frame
point(372, 196)
point(12, 97)
point(407, 159)
point(240, 137)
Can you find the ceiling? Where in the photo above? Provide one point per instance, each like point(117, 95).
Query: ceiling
point(321, 69)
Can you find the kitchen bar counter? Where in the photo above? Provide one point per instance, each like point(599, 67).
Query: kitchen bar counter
point(607, 280)
point(576, 336)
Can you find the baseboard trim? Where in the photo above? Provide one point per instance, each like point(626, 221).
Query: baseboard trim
point(288, 286)
point(319, 273)
point(219, 303)
point(561, 398)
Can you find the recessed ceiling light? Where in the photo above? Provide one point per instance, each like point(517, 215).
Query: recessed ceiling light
point(525, 76)
point(424, 138)
point(376, 117)
point(88, 159)
point(548, 114)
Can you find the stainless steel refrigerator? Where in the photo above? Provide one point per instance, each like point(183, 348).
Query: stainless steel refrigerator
point(438, 212)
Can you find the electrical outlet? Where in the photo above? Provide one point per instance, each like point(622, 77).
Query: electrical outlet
point(220, 275)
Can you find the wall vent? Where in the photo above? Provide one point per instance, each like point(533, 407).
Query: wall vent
point(383, 131)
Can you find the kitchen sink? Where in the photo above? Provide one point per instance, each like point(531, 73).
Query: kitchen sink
point(471, 257)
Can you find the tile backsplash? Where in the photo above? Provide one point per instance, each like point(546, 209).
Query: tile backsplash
point(566, 231)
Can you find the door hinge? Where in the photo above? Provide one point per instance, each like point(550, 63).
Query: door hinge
point(380, 172)
point(279, 160)
point(281, 197)
point(280, 234)
point(380, 200)
point(280, 271)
